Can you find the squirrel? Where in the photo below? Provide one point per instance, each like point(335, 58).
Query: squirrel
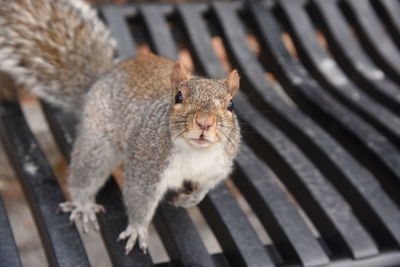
point(165, 125)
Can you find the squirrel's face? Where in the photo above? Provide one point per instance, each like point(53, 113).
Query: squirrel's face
point(202, 114)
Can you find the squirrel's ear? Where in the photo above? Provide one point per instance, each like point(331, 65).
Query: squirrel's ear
point(232, 81)
point(179, 74)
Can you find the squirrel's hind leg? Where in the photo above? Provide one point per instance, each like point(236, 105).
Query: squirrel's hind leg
point(92, 161)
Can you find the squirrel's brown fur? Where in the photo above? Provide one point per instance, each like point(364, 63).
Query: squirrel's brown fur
point(55, 48)
point(148, 71)
point(167, 126)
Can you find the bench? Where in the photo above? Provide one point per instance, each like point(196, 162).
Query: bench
point(320, 160)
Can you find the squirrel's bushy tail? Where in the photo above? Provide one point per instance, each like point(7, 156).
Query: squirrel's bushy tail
point(54, 48)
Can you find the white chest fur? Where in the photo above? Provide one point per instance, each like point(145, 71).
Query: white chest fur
point(195, 165)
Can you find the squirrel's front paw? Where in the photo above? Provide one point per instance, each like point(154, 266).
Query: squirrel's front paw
point(133, 234)
point(185, 200)
point(86, 212)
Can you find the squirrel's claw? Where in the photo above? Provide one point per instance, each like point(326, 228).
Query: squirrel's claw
point(184, 200)
point(66, 207)
point(133, 234)
point(86, 213)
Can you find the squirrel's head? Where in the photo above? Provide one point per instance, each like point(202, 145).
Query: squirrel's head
point(202, 113)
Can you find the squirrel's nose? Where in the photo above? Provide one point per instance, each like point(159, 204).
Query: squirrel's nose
point(204, 126)
point(204, 122)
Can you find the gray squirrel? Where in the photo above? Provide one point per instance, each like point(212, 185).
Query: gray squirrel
point(164, 124)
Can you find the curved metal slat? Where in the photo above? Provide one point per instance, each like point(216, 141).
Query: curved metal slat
point(246, 60)
point(327, 69)
point(231, 227)
point(241, 247)
point(374, 37)
point(276, 212)
point(355, 61)
point(61, 241)
point(115, 17)
point(161, 40)
point(324, 205)
point(391, 11)
point(330, 73)
point(62, 126)
point(8, 248)
point(180, 238)
point(199, 39)
point(203, 53)
point(367, 190)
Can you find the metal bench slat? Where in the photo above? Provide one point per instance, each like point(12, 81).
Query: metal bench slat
point(241, 247)
point(363, 183)
point(374, 37)
point(62, 126)
point(319, 199)
point(231, 227)
point(61, 241)
point(345, 47)
point(205, 56)
point(199, 40)
point(180, 237)
point(391, 9)
point(327, 70)
point(283, 62)
point(355, 60)
point(278, 215)
point(115, 17)
point(8, 248)
point(362, 103)
point(114, 220)
point(155, 21)
point(254, 73)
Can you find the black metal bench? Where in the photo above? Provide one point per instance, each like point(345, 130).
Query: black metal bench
point(328, 127)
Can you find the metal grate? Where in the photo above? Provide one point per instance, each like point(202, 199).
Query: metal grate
point(331, 134)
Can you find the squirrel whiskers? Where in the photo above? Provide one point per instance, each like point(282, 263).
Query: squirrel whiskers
point(166, 126)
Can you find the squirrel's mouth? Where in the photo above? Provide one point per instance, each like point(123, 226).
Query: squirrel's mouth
point(202, 141)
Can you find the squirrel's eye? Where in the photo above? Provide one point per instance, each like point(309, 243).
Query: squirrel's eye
point(230, 106)
point(178, 98)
